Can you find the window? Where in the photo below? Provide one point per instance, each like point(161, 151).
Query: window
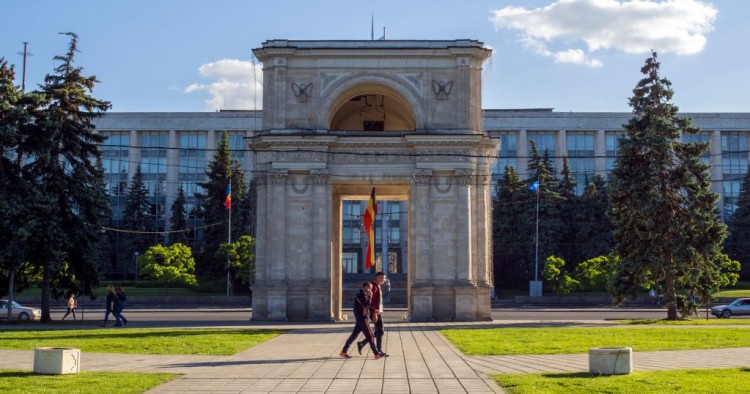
point(115, 164)
point(507, 157)
point(581, 158)
point(192, 165)
point(545, 142)
point(734, 161)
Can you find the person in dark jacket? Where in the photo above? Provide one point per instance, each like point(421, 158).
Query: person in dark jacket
point(119, 306)
point(376, 313)
point(111, 304)
point(361, 315)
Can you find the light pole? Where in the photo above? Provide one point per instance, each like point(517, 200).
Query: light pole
point(535, 288)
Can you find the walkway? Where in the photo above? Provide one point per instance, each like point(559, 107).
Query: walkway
point(306, 360)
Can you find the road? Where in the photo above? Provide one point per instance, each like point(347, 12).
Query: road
point(187, 317)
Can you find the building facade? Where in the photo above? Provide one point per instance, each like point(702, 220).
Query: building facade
point(341, 117)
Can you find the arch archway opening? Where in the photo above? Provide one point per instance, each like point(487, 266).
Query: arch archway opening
point(371, 107)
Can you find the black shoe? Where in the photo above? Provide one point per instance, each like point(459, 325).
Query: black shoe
point(360, 345)
point(384, 354)
point(345, 355)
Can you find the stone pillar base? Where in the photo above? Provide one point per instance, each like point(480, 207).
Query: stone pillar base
point(611, 360)
point(57, 360)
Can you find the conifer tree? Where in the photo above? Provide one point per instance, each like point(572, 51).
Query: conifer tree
point(594, 230)
point(137, 216)
point(178, 219)
point(569, 205)
point(64, 150)
point(209, 266)
point(667, 231)
point(512, 233)
point(550, 225)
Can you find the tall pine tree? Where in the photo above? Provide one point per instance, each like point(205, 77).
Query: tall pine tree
point(209, 266)
point(137, 216)
point(512, 233)
point(64, 151)
point(178, 219)
point(667, 231)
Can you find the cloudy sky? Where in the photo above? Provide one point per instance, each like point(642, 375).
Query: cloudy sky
point(570, 55)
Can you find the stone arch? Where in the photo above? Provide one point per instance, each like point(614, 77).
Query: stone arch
point(342, 91)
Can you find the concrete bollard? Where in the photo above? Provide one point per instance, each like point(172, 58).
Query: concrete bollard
point(611, 360)
point(57, 360)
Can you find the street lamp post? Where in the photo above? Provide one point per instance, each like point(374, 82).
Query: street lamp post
point(136, 267)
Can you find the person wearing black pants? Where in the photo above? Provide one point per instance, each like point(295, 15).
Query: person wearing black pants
point(361, 313)
point(376, 311)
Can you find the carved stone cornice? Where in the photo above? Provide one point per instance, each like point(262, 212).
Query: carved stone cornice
point(443, 155)
point(278, 177)
point(319, 177)
point(370, 157)
point(464, 176)
point(299, 156)
point(422, 176)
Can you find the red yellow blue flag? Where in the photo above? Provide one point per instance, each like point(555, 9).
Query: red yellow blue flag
point(228, 199)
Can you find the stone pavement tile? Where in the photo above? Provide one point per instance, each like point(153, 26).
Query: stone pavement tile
point(289, 385)
point(316, 386)
point(422, 386)
point(480, 385)
point(342, 386)
point(368, 385)
point(395, 385)
point(449, 386)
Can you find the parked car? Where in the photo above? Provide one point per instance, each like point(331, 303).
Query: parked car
point(19, 311)
point(740, 306)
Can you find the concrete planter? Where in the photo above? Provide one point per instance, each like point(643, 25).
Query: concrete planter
point(611, 360)
point(57, 360)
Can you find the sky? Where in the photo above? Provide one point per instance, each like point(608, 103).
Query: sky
point(569, 55)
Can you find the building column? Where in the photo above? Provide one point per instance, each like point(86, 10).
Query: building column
point(173, 175)
point(717, 175)
point(420, 254)
point(319, 289)
point(276, 248)
point(562, 150)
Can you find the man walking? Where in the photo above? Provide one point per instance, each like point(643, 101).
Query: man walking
point(376, 312)
point(361, 312)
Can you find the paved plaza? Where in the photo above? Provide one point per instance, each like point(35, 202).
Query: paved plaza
point(306, 360)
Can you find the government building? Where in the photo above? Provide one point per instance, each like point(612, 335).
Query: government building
point(404, 117)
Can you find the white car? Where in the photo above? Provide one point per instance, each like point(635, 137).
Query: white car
point(19, 312)
point(740, 306)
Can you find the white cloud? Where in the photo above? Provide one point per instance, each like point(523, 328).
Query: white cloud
point(233, 84)
point(633, 27)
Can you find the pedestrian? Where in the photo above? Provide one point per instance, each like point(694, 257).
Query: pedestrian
point(652, 295)
point(119, 306)
point(361, 311)
point(376, 312)
point(71, 306)
point(691, 296)
point(111, 304)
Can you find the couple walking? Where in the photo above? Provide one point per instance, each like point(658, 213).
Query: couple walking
point(115, 304)
point(368, 306)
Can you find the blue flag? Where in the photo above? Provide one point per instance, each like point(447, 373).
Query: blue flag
point(534, 186)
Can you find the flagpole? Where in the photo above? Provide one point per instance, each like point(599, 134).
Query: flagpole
point(229, 237)
point(536, 241)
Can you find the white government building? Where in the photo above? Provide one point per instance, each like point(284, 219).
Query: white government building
point(405, 117)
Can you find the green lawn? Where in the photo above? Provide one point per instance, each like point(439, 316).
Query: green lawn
point(214, 342)
point(709, 381)
point(712, 321)
point(24, 382)
point(101, 291)
point(569, 340)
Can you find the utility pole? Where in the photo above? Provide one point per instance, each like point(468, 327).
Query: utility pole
point(25, 54)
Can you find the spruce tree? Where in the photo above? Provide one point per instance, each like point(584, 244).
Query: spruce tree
point(178, 219)
point(667, 231)
point(512, 233)
point(64, 151)
point(738, 247)
point(550, 226)
point(594, 230)
point(136, 216)
point(569, 205)
point(209, 266)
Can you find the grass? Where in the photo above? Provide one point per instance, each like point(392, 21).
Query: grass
point(691, 322)
point(24, 382)
point(708, 381)
point(212, 342)
point(570, 340)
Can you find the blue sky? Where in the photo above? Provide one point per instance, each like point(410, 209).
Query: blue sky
point(570, 55)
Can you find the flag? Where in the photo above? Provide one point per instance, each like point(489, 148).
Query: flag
point(228, 199)
point(369, 222)
point(534, 186)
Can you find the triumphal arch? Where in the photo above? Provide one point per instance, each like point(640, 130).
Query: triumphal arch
point(342, 117)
